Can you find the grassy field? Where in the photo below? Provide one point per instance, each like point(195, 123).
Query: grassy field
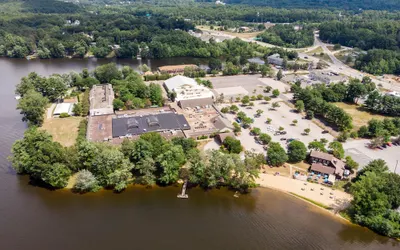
point(317, 53)
point(359, 115)
point(63, 130)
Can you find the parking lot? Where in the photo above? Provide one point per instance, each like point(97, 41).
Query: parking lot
point(281, 117)
point(359, 151)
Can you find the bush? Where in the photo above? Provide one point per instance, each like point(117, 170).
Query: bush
point(82, 131)
point(232, 145)
point(64, 115)
point(86, 182)
point(354, 134)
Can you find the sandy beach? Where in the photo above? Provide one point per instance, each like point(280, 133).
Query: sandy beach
point(335, 199)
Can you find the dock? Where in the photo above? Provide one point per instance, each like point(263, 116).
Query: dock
point(183, 194)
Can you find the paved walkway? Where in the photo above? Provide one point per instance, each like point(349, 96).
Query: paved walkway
point(50, 111)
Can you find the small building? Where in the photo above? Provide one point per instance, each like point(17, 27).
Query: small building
point(325, 163)
point(101, 99)
point(137, 125)
point(275, 59)
point(326, 77)
point(176, 69)
point(65, 107)
point(188, 92)
point(257, 60)
point(222, 124)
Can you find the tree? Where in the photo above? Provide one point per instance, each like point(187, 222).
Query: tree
point(245, 100)
point(351, 164)
point(297, 151)
point(343, 136)
point(247, 121)
point(215, 64)
point(236, 128)
point(259, 112)
point(264, 138)
point(275, 93)
point(276, 155)
point(77, 109)
point(86, 182)
point(317, 145)
point(269, 120)
point(307, 131)
point(267, 89)
point(253, 67)
point(118, 104)
point(337, 149)
point(294, 122)
point(56, 175)
point(232, 145)
point(355, 90)
point(241, 115)
point(170, 162)
point(363, 131)
point(225, 110)
point(39, 157)
point(299, 106)
point(255, 131)
point(267, 98)
point(107, 72)
point(144, 68)
point(309, 114)
point(275, 105)
point(146, 168)
point(266, 70)
point(234, 108)
point(337, 46)
point(33, 106)
point(279, 75)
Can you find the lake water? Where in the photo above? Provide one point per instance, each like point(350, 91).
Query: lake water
point(139, 218)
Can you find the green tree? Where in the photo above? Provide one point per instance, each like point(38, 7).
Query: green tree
point(33, 106)
point(107, 72)
point(147, 168)
point(337, 149)
point(297, 151)
point(77, 109)
point(259, 112)
point(265, 138)
point(225, 110)
point(299, 106)
point(86, 182)
point(317, 145)
point(351, 164)
point(232, 145)
point(276, 155)
point(279, 75)
point(56, 175)
point(256, 131)
point(275, 105)
point(170, 162)
point(307, 131)
point(275, 93)
point(234, 108)
point(118, 104)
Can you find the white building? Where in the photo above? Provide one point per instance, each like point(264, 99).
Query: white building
point(63, 108)
point(275, 59)
point(188, 92)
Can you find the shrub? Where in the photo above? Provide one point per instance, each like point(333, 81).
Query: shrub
point(64, 115)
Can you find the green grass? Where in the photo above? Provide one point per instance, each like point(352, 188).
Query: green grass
point(312, 201)
point(345, 215)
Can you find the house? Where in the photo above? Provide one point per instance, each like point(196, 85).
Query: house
point(275, 59)
point(65, 107)
point(222, 124)
point(188, 92)
point(176, 69)
point(325, 163)
point(101, 99)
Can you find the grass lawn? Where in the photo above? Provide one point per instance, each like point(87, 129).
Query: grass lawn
point(359, 114)
point(63, 130)
point(317, 53)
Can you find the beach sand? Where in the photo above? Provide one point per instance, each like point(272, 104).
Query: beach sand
point(339, 200)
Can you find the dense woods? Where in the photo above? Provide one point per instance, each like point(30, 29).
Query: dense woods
point(289, 36)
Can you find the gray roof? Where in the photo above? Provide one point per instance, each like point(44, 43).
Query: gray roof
point(141, 124)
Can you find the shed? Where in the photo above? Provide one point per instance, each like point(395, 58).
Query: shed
point(63, 108)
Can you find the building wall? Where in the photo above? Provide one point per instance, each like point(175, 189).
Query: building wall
point(191, 103)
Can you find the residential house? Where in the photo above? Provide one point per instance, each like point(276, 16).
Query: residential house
point(325, 163)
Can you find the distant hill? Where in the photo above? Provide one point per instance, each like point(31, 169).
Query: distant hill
point(340, 4)
point(42, 6)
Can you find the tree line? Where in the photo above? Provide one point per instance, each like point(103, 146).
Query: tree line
point(148, 161)
point(286, 35)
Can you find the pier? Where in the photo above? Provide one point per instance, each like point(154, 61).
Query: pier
point(183, 194)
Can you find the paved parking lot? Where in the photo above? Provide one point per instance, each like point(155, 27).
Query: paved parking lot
point(282, 116)
point(363, 155)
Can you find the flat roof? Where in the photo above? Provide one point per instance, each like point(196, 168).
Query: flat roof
point(178, 82)
point(63, 108)
point(101, 96)
point(136, 125)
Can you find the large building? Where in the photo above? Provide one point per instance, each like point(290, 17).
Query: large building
point(101, 100)
point(137, 125)
point(275, 59)
point(325, 163)
point(188, 92)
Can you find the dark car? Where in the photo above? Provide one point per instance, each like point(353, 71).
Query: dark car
point(283, 139)
point(325, 131)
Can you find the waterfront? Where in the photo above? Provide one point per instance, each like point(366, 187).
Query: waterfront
point(35, 218)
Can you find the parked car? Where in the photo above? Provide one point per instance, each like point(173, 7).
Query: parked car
point(325, 131)
point(283, 139)
point(238, 120)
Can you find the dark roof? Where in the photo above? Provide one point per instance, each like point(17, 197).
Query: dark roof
point(223, 136)
point(318, 167)
point(141, 124)
point(321, 155)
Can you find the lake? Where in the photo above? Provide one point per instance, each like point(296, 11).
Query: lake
point(140, 218)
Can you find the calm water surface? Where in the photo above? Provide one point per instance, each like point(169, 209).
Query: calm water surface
point(35, 218)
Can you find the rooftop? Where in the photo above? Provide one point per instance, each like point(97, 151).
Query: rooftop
point(179, 81)
point(322, 168)
point(136, 125)
point(63, 108)
point(101, 96)
point(322, 155)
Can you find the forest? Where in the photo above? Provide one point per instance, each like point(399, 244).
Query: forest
point(287, 36)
